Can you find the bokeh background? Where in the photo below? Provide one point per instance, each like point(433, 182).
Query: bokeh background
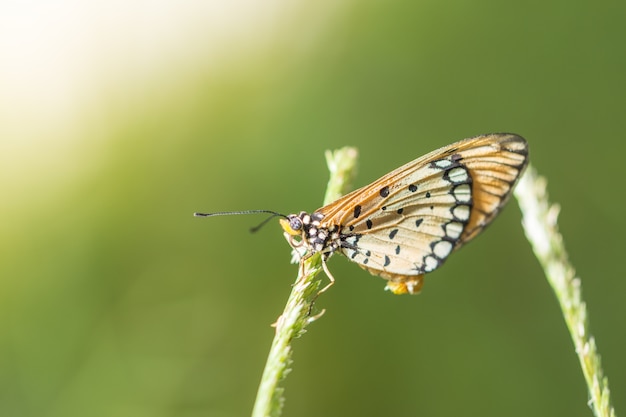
point(119, 119)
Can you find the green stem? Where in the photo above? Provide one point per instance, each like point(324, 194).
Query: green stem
point(297, 313)
point(540, 225)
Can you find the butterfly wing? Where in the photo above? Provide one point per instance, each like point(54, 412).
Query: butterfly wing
point(407, 223)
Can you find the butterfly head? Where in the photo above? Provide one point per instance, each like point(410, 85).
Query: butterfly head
point(292, 224)
point(307, 229)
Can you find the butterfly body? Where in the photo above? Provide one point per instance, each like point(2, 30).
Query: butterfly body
point(408, 222)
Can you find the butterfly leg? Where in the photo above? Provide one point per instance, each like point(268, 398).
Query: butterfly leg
point(325, 257)
point(330, 276)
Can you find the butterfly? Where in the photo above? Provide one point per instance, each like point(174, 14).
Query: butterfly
point(407, 223)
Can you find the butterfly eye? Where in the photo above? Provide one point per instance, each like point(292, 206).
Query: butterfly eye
point(295, 223)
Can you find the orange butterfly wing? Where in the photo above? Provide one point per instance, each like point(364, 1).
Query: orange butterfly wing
point(407, 222)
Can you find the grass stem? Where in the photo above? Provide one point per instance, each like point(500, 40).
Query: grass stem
point(298, 312)
point(540, 225)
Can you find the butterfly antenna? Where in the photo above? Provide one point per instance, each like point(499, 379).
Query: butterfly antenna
point(233, 213)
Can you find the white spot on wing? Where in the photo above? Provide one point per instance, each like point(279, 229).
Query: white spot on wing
point(430, 263)
point(453, 230)
point(443, 163)
point(442, 249)
point(462, 193)
point(461, 212)
point(457, 175)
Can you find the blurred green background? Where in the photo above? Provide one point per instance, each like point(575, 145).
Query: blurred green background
point(118, 121)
